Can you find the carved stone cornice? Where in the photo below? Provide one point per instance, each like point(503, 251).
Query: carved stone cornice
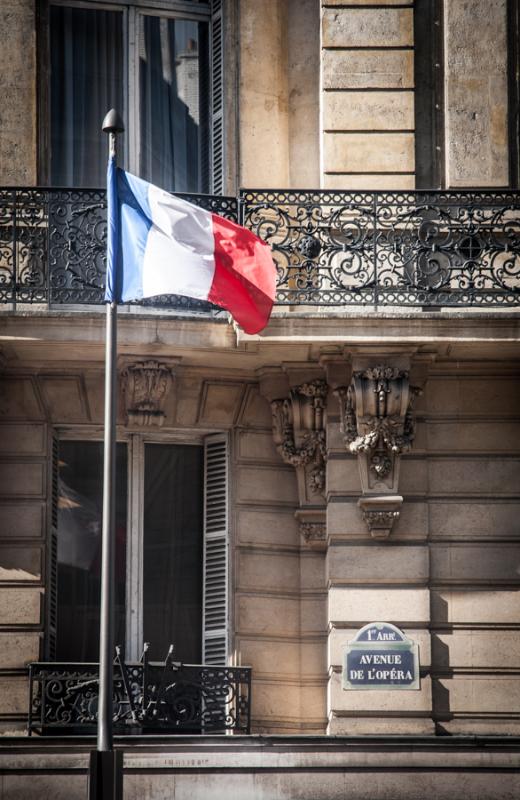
point(299, 433)
point(380, 513)
point(378, 425)
point(313, 527)
point(146, 385)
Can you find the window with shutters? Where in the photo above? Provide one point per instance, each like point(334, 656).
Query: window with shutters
point(171, 556)
point(159, 62)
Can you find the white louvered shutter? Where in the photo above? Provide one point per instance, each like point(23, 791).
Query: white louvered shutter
point(216, 525)
point(217, 98)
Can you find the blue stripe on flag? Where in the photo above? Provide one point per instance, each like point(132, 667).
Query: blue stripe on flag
point(113, 242)
point(135, 225)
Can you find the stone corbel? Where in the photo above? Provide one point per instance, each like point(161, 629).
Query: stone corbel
point(146, 386)
point(378, 425)
point(299, 436)
point(299, 433)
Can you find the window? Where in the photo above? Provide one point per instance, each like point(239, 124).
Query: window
point(152, 62)
point(171, 549)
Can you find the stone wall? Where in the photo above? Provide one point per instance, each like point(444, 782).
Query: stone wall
point(476, 93)
point(18, 92)
point(367, 95)
point(449, 574)
point(24, 492)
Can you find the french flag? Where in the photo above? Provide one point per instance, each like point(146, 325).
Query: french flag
point(160, 244)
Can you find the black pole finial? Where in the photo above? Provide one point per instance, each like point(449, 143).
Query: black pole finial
point(113, 122)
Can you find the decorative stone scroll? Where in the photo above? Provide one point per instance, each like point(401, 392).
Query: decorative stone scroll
point(378, 425)
point(299, 432)
point(146, 386)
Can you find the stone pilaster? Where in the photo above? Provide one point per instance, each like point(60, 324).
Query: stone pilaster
point(370, 577)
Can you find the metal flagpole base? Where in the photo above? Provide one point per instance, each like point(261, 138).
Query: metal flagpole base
point(106, 775)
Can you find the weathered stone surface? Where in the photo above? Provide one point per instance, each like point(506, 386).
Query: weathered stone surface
point(25, 439)
point(482, 694)
point(255, 446)
point(13, 695)
point(343, 476)
point(274, 570)
point(476, 93)
point(266, 485)
point(466, 435)
point(368, 2)
point(345, 110)
point(303, 70)
point(476, 564)
point(18, 399)
point(18, 649)
point(481, 606)
point(49, 787)
point(22, 520)
point(256, 412)
point(65, 398)
point(20, 563)
point(263, 614)
point(26, 479)
point(18, 91)
point(357, 564)
point(367, 27)
point(369, 152)
point(19, 606)
point(474, 519)
point(312, 571)
point(403, 606)
point(485, 476)
point(369, 182)
point(220, 402)
point(263, 95)
point(367, 69)
point(465, 396)
point(258, 526)
point(483, 649)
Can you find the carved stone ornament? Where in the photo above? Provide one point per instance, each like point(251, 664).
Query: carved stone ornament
point(377, 422)
point(380, 513)
point(146, 385)
point(313, 527)
point(299, 431)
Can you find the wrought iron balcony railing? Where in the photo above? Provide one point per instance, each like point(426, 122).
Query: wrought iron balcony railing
point(331, 248)
point(148, 697)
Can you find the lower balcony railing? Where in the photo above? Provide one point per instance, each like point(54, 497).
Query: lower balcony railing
point(331, 248)
point(148, 698)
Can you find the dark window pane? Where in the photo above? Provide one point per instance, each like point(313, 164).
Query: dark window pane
point(86, 49)
point(173, 88)
point(79, 548)
point(173, 550)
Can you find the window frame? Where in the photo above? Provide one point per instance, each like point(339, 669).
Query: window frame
point(136, 442)
point(130, 10)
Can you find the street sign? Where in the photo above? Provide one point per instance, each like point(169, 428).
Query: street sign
point(381, 657)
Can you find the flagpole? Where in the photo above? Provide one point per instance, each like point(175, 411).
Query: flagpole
point(106, 773)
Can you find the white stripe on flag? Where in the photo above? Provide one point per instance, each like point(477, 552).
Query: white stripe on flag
point(178, 257)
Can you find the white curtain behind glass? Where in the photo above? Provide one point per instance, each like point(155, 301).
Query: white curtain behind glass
point(86, 49)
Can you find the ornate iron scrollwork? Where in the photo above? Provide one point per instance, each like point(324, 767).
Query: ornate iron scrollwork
point(330, 247)
point(172, 697)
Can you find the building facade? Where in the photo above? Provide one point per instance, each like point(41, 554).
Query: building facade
point(356, 463)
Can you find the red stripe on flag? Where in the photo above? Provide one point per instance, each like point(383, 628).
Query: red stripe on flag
point(244, 282)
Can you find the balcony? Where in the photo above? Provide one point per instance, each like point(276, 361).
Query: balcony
point(332, 249)
point(148, 698)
